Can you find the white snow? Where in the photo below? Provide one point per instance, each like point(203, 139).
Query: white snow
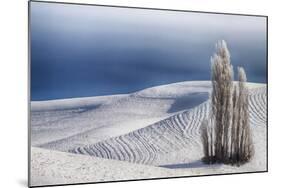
point(53, 167)
point(158, 126)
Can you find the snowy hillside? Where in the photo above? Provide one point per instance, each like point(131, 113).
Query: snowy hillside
point(156, 128)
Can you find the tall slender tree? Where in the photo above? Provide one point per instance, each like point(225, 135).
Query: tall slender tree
point(227, 138)
point(222, 82)
point(244, 148)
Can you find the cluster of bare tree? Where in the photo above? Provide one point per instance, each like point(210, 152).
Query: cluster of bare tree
point(226, 134)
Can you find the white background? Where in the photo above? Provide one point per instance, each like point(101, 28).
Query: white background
point(13, 92)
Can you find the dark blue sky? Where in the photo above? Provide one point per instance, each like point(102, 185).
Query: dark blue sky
point(79, 51)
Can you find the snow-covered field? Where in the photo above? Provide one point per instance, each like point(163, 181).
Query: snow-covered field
point(151, 133)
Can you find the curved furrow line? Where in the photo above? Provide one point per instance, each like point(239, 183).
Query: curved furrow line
point(75, 150)
point(257, 107)
point(120, 148)
point(155, 139)
point(178, 134)
point(182, 125)
point(150, 148)
point(200, 114)
point(164, 142)
point(254, 110)
point(170, 134)
point(254, 118)
point(115, 153)
point(180, 119)
point(127, 155)
point(189, 132)
point(178, 122)
point(134, 149)
point(106, 151)
point(143, 149)
point(191, 126)
point(133, 154)
point(120, 154)
point(262, 98)
point(255, 122)
point(126, 141)
point(172, 125)
point(81, 150)
point(150, 157)
point(139, 153)
point(101, 150)
point(97, 150)
point(134, 142)
point(92, 152)
point(260, 116)
point(262, 104)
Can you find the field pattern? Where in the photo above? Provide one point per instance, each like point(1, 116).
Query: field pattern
point(148, 145)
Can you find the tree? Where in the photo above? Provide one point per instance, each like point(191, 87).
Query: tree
point(242, 148)
point(207, 137)
point(222, 82)
point(226, 138)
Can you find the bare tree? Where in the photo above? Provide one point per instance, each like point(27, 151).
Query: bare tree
point(234, 134)
point(226, 138)
point(243, 150)
point(222, 82)
point(207, 137)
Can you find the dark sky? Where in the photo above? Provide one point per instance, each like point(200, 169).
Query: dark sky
point(79, 51)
